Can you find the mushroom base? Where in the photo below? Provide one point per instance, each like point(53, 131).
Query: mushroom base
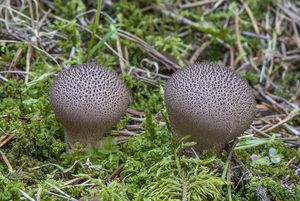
point(83, 138)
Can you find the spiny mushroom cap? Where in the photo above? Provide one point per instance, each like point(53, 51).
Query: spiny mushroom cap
point(88, 99)
point(209, 102)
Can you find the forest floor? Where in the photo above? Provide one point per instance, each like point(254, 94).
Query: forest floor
point(145, 42)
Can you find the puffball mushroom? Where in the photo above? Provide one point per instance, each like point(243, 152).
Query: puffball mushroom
point(209, 102)
point(88, 99)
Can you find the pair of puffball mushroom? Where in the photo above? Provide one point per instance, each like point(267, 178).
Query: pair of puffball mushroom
point(207, 101)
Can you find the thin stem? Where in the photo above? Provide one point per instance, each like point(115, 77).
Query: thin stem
point(94, 28)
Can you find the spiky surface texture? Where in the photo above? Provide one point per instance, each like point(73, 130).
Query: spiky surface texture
point(88, 99)
point(209, 102)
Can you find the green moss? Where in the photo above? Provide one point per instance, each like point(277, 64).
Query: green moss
point(8, 51)
point(31, 121)
point(251, 76)
point(144, 96)
point(271, 175)
point(113, 191)
point(69, 9)
point(9, 189)
point(275, 189)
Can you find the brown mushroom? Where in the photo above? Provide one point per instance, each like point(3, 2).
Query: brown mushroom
point(88, 99)
point(209, 102)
